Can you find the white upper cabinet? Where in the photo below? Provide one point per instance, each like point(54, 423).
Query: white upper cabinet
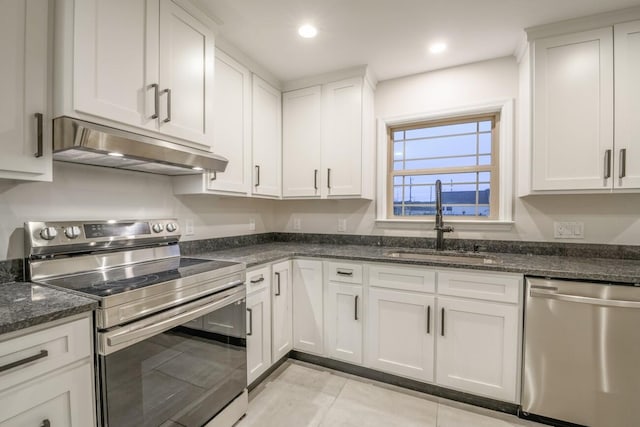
point(626, 174)
point(267, 139)
point(585, 100)
point(329, 141)
point(301, 142)
point(141, 65)
point(25, 133)
point(573, 111)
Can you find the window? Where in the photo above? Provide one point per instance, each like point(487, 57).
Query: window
point(462, 153)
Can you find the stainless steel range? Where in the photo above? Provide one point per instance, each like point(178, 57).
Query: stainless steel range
point(170, 330)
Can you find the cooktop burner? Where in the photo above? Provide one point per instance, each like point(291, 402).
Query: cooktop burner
point(104, 283)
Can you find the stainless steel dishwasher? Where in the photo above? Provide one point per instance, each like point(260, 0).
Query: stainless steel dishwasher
point(582, 353)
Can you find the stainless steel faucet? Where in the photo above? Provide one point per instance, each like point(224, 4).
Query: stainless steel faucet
point(440, 227)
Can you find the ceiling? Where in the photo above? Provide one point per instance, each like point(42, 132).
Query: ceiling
point(392, 37)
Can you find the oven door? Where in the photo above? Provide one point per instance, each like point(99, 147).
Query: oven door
point(173, 369)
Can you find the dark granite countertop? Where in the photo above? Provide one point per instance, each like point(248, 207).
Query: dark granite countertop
point(26, 304)
point(561, 267)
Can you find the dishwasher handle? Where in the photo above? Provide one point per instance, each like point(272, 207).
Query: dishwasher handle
point(551, 294)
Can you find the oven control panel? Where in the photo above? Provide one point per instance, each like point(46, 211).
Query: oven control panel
point(45, 237)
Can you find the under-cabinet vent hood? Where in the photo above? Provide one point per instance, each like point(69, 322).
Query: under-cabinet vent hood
point(78, 141)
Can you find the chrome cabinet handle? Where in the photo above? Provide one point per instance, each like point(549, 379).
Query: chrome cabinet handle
point(623, 163)
point(278, 282)
point(156, 100)
point(442, 323)
point(428, 319)
point(329, 178)
point(45, 423)
point(347, 273)
point(39, 138)
point(41, 355)
point(315, 179)
point(168, 92)
point(607, 164)
point(250, 331)
point(258, 280)
point(257, 167)
point(356, 307)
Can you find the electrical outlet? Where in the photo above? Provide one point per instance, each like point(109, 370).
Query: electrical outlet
point(568, 230)
point(342, 225)
point(189, 229)
point(252, 224)
point(297, 224)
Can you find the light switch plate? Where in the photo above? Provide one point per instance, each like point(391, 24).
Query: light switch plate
point(297, 224)
point(252, 224)
point(342, 225)
point(189, 228)
point(568, 230)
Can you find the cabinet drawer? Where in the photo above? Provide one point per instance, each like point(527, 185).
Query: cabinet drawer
point(344, 272)
point(404, 278)
point(44, 351)
point(480, 285)
point(258, 279)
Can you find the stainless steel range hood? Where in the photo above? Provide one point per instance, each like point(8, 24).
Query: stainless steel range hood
point(78, 141)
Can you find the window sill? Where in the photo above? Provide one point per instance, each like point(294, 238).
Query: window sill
point(458, 225)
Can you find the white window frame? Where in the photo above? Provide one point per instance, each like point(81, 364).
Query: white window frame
point(504, 219)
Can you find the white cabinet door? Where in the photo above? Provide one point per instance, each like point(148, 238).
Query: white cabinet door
point(477, 349)
point(186, 58)
point(258, 334)
point(342, 138)
point(64, 398)
point(401, 329)
point(267, 139)
point(573, 111)
point(281, 310)
point(301, 142)
point(24, 32)
point(627, 105)
point(232, 126)
point(307, 306)
point(344, 322)
point(116, 60)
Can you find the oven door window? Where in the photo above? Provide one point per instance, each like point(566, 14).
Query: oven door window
point(181, 377)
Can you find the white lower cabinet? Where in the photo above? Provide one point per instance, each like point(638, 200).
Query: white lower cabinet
point(477, 349)
point(344, 322)
point(64, 398)
point(258, 333)
point(307, 306)
point(51, 382)
point(281, 310)
point(401, 331)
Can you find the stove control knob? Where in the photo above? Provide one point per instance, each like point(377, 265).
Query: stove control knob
point(157, 228)
point(48, 233)
point(171, 227)
point(72, 232)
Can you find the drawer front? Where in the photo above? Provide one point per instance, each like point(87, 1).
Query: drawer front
point(37, 353)
point(500, 287)
point(344, 272)
point(403, 278)
point(258, 279)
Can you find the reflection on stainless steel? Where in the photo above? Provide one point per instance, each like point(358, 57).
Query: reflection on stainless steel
point(79, 141)
point(440, 227)
point(441, 257)
point(581, 352)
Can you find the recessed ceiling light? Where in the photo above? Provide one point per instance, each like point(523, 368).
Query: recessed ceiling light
point(438, 47)
point(114, 154)
point(308, 31)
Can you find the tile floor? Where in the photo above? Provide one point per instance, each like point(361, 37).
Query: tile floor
point(298, 394)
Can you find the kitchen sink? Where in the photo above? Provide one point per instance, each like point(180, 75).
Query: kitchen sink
point(457, 258)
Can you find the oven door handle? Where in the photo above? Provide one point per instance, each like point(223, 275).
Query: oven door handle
point(156, 324)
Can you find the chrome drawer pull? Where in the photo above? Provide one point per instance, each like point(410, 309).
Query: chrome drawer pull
point(348, 273)
point(258, 280)
point(41, 355)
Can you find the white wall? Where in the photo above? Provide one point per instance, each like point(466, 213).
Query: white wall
point(612, 219)
point(88, 192)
